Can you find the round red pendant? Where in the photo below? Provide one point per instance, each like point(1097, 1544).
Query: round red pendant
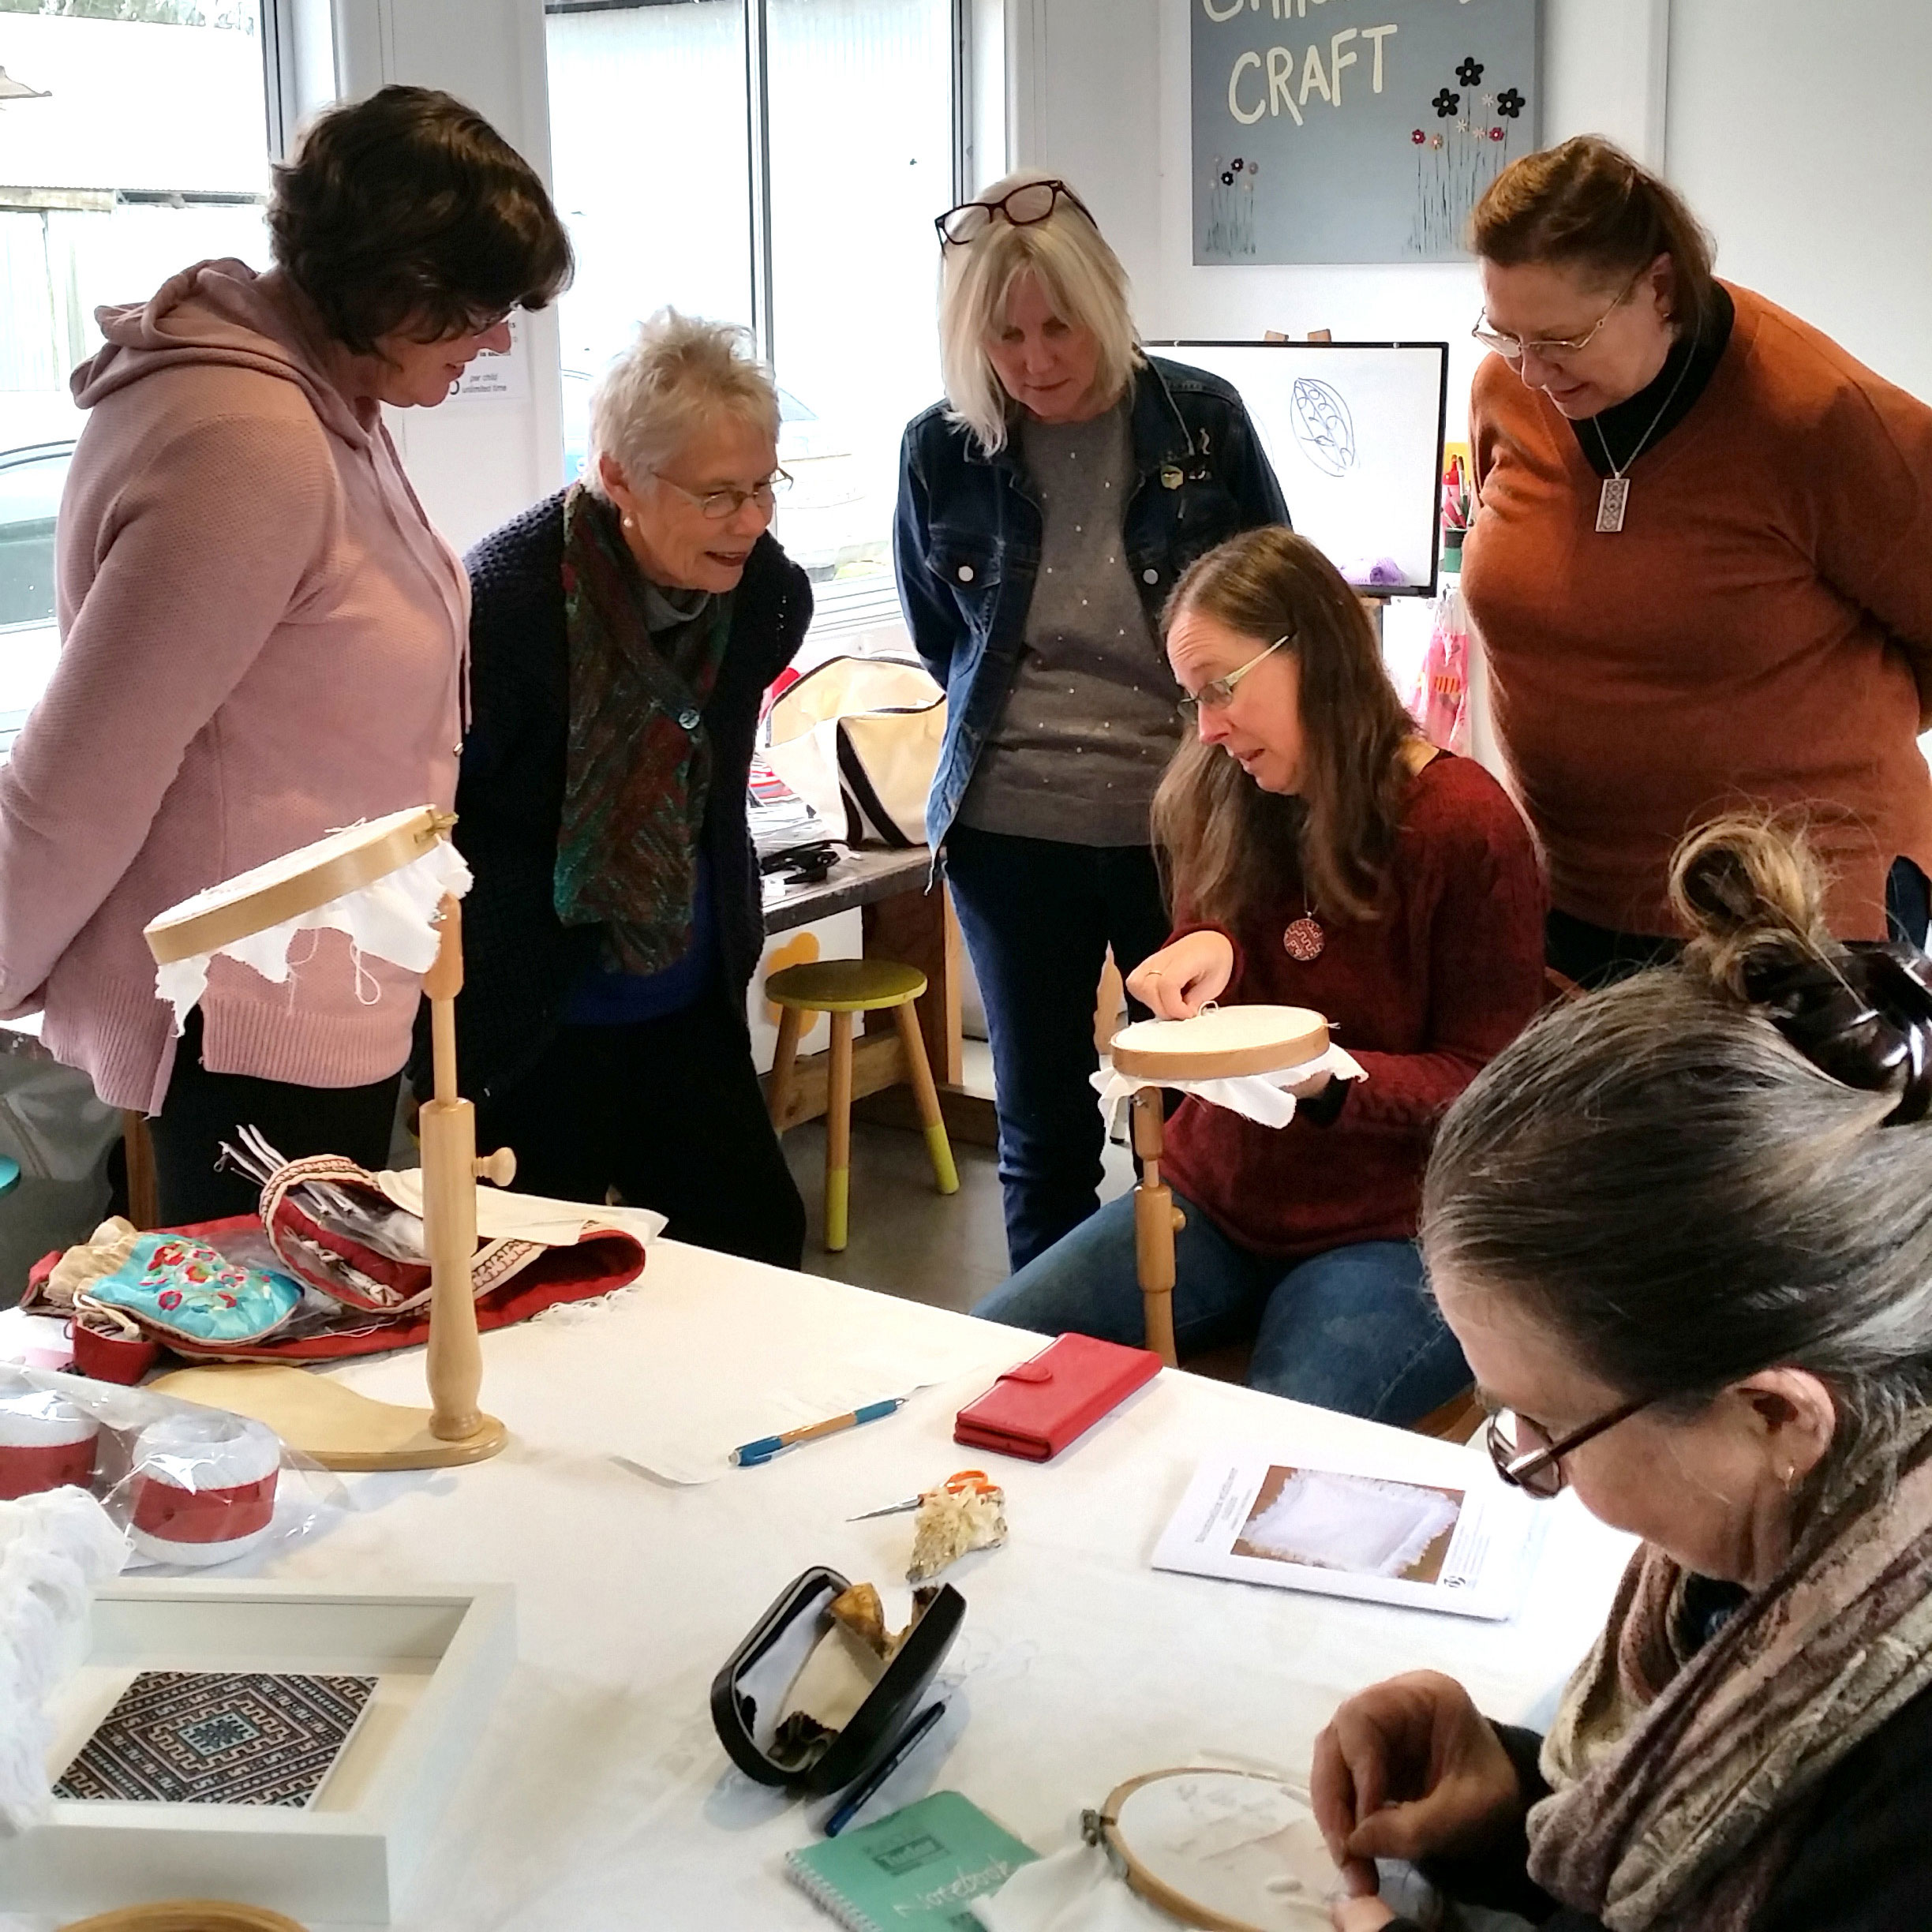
point(1304, 939)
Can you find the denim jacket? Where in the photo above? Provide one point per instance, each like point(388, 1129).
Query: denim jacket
point(966, 540)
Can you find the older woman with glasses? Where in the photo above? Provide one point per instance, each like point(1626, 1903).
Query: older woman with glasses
point(1685, 1225)
point(1047, 508)
point(624, 632)
point(1321, 855)
point(1699, 565)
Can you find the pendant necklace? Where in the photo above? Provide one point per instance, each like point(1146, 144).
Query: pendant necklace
point(1614, 498)
point(1303, 939)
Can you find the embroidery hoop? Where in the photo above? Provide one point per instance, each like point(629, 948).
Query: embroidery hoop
point(1103, 1828)
point(319, 1416)
point(1220, 1042)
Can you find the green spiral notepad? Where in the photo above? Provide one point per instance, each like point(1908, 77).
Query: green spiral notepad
point(921, 1868)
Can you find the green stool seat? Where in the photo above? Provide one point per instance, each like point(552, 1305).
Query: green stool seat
point(841, 988)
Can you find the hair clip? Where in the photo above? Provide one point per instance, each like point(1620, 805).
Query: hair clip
point(1865, 1020)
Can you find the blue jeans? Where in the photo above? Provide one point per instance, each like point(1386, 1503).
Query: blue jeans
point(1353, 1330)
point(1038, 915)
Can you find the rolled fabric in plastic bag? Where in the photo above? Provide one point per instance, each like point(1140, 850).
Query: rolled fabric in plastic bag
point(204, 1488)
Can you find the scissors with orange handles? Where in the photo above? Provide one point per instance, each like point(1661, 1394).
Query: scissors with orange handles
point(961, 1482)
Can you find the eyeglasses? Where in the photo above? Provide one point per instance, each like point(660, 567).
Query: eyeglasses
point(1218, 693)
point(1527, 1459)
point(718, 504)
point(1549, 349)
point(1031, 202)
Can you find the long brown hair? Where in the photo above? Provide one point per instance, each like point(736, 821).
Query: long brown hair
point(1226, 846)
point(1588, 205)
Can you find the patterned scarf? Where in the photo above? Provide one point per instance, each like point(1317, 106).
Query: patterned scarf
point(638, 765)
point(1681, 1782)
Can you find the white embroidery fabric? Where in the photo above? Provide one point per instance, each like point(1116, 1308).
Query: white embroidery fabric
point(1262, 1098)
point(53, 1548)
point(393, 919)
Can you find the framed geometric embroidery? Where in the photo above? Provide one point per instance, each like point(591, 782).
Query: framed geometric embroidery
point(206, 1737)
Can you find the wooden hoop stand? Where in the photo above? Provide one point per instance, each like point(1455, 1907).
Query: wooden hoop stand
point(187, 1915)
point(313, 1413)
point(1236, 1041)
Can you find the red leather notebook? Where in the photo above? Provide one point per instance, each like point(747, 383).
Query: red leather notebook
point(1035, 1410)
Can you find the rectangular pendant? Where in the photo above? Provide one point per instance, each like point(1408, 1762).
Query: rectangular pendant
point(1610, 503)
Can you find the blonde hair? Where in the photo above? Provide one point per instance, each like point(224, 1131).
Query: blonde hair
point(679, 372)
point(1081, 276)
point(1227, 847)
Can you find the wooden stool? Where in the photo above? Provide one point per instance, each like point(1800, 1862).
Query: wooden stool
point(841, 988)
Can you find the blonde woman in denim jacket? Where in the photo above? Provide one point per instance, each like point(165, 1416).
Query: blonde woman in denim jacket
point(1047, 508)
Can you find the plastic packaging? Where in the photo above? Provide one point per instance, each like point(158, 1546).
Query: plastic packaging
point(193, 1487)
point(46, 1442)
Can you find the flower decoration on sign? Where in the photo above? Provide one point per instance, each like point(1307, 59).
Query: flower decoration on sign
point(1237, 164)
point(1227, 177)
point(1436, 141)
point(1418, 137)
point(1469, 72)
point(1254, 168)
point(1446, 103)
point(1510, 102)
point(1496, 133)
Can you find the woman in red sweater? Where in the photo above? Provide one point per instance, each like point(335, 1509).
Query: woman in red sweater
point(1699, 568)
point(1319, 853)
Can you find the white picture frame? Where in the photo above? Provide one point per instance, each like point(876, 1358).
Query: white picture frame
point(440, 1657)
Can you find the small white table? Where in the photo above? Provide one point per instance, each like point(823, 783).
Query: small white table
point(600, 1796)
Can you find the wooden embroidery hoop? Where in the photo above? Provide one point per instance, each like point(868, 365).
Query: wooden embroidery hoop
point(313, 1413)
point(187, 1915)
point(1103, 1827)
point(1223, 1042)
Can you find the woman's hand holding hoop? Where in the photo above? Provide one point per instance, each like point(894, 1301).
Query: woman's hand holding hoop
point(1177, 982)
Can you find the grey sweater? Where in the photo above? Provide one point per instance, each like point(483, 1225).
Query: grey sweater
point(1091, 718)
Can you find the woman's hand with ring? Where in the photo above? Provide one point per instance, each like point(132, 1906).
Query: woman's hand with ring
point(1177, 982)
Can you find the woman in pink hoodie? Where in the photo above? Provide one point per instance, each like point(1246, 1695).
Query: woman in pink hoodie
point(262, 635)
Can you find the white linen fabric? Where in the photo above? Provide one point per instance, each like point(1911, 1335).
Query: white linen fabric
point(1263, 1097)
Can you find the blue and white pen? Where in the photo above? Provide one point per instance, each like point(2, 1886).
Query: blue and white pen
point(766, 1446)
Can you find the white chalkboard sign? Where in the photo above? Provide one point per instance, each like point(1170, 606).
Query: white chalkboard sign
point(1354, 431)
point(1354, 130)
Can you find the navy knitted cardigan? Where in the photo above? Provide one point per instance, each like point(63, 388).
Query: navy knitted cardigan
point(520, 962)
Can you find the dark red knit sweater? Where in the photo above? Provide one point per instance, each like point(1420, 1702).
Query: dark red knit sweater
point(1422, 997)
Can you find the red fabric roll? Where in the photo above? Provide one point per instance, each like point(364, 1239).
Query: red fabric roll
point(203, 1515)
point(26, 1471)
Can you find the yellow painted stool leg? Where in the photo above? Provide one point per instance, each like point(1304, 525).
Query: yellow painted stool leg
point(926, 1096)
point(838, 1134)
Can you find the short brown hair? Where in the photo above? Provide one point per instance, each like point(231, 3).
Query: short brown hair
point(1226, 845)
point(1588, 205)
point(409, 210)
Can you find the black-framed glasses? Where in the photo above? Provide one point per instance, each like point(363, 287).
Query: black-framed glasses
point(1527, 1459)
point(1550, 348)
point(1032, 202)
point(718, 504)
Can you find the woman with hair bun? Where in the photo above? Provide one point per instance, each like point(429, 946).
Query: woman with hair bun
point(1699, 569)
point(1683, 1229)
point(261, 632)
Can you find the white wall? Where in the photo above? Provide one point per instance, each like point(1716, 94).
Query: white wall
point(476, 462)
point(1111, 112)
point(1799, 134)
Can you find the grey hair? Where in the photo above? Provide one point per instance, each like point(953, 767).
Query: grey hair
point(679, 372)
point(1660, 1179)
point(1082, 277)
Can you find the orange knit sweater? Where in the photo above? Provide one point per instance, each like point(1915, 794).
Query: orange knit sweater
point(1759, 632)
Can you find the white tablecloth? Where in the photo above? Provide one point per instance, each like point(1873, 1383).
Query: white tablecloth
point(601, 1796)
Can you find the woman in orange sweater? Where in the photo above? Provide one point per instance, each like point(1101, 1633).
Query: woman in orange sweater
point(1699, 568)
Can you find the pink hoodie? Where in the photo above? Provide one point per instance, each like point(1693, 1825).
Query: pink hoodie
point(262, 640)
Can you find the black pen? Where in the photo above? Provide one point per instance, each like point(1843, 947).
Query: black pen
point(869, 1785)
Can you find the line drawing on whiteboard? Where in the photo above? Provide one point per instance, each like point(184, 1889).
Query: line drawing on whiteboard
point(1324, 431)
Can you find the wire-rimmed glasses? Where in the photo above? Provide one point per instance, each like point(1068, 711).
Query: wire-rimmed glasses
point(1218, 693)
point(718, 504)
point(1526, 1457)
point(1552, 348)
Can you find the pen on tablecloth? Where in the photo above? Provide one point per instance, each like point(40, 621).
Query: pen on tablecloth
point(766, 1446)
point(870, 1785)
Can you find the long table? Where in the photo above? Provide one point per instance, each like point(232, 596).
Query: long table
point(600, 1796)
